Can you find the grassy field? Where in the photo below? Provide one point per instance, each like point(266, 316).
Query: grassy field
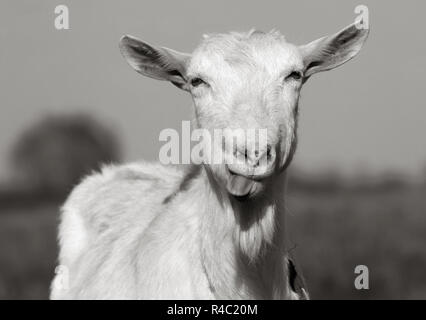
point(384, 231)
point(27, 252)
point(330, 234)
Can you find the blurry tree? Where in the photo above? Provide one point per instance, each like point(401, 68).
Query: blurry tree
point(51, 156)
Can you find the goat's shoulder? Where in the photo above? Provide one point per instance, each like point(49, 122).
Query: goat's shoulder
point(118, 198)
point(116, 190)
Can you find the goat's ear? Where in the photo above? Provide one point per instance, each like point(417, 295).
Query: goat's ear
point(331, 51)
point(155, 62)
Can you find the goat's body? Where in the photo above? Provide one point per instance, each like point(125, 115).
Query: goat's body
point(153, 232)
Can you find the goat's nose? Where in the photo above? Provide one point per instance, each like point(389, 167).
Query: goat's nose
point(255, 157)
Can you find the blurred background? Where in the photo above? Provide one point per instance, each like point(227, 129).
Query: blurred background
point(357, 191)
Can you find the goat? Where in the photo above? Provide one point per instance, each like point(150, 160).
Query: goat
point(202, 231)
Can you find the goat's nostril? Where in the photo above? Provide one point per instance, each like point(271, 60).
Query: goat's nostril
point(254, 157)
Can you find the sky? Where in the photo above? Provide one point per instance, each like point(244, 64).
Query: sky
point(367, 115)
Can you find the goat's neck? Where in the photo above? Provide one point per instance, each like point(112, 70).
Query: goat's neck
point(242, 243)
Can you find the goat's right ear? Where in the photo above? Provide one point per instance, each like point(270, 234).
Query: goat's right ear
point(154, 62)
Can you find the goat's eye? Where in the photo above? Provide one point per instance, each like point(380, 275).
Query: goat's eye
point(195, 82)
point(295, 75)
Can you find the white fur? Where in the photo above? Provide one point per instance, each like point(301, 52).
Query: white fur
point(147, 231)
point(136, 247)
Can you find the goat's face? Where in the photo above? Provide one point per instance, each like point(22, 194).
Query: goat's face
point(244, 84)
point(247, 86)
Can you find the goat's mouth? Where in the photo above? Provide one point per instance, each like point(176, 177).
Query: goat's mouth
point(242, 187)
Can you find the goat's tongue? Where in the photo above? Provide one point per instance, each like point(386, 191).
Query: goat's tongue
point(239, 186)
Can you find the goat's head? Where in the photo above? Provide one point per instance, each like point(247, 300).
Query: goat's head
point(246, 81)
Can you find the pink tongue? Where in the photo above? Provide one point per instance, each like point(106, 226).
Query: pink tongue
point(239, 186)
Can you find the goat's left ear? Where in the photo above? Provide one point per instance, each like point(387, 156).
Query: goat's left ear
point(155, 62)
point(332, 51)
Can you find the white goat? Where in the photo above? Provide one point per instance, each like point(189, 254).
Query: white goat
point(148, 231)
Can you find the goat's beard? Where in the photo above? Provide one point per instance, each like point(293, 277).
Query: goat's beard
point(255, 229)
point(255, 218)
